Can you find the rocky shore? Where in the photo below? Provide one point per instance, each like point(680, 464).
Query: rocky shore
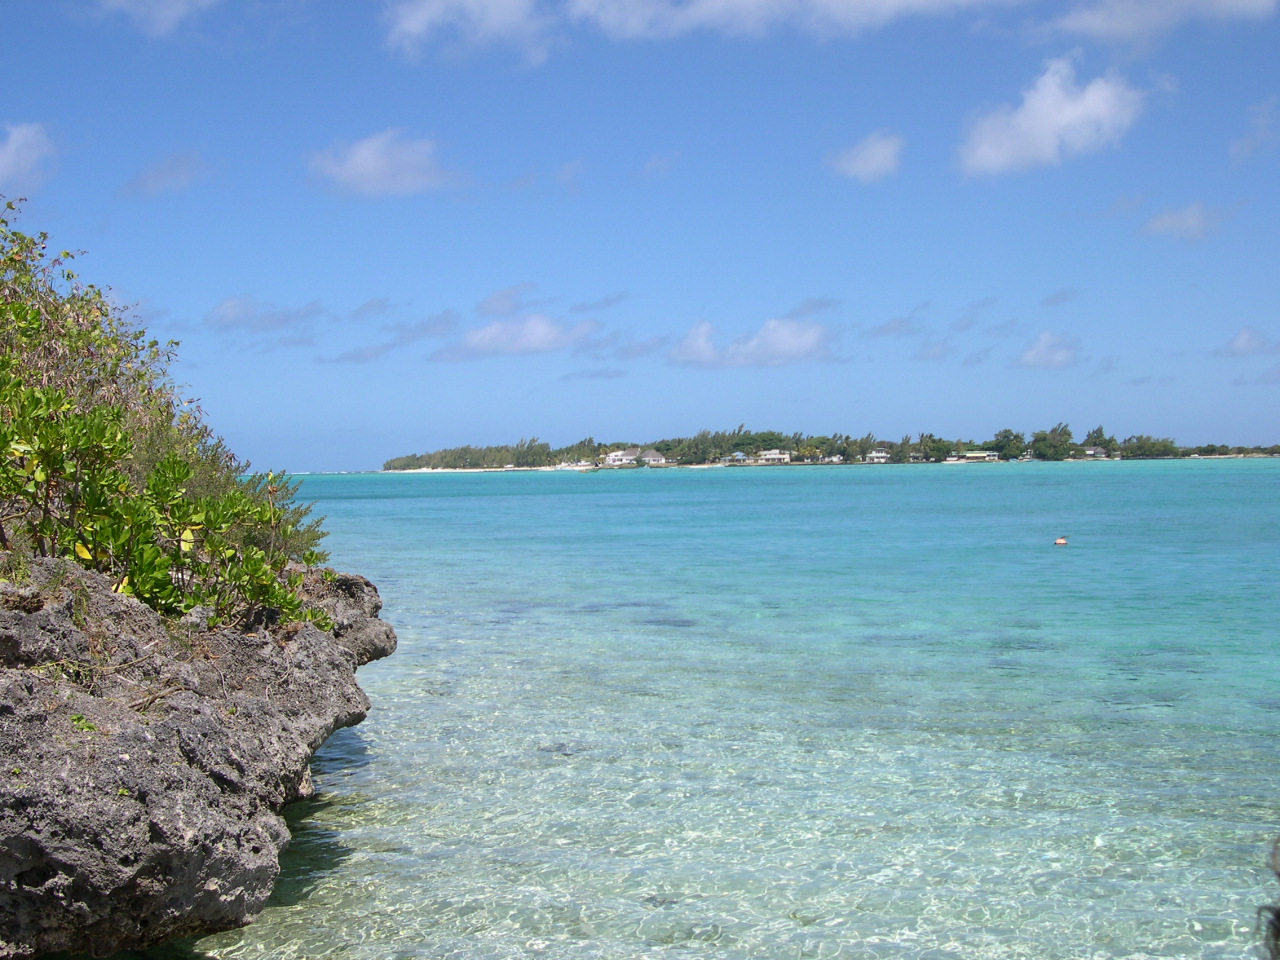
point(145, 764)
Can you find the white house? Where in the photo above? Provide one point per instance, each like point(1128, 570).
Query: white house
point(628, 457)
point(621, 458)
point(878, 455)
point(774, 456)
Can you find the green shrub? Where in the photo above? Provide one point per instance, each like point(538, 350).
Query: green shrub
point(103, 462)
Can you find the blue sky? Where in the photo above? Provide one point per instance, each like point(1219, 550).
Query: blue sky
point(385, 226)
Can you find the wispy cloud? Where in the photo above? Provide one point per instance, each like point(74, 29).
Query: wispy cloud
point(969, 319)
point(171, 175)
point(1104, 369)
point(383, 165)
point(810, 306)
point(672, 18)
point(595, 374)
point(25, 155)
point(659, 165)
point(933, 351)
point(1262, 133)
point(507, 301)
point(156, 17)
point(1050, 352)
point(897, 327)
point(536, 333)
point(519, 23)
point(246, 314)
point(604, 303)
point(618, 345)
point(373, 307)
point(401, 335)
point(1005, 328)
point(1190, 223)
point(1249, 342)
point(1126, 205)
point(873, 158)
point(533, 26)
point(1128, 21)
point(1059, 297)
point(777, 343)
point(904, 326)
point(569, 175)
point(1056, 119)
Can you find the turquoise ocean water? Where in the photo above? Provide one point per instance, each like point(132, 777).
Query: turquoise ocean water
point(800, 712)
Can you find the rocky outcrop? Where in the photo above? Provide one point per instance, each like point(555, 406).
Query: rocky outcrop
point(144, 764)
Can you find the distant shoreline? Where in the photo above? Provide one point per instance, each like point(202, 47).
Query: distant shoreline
point(773, 466)
point(743, 447)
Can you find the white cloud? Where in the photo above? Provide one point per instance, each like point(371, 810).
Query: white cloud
point(671, 18)
point(874, 158)
point(171, 175)
point(157, 17)
point(1139, 20)
point(518, 22)
point(1057, 119)
point(1050, 352)
point(530, 24)
point(1262, 133)
point(533, 24)
point(1249, 342)
point(536, 333)
point(696, 349)
point(24, 155)
point(385, 164)
point(777, 343)
point(1190, 223)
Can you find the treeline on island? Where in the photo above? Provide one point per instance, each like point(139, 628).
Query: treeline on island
point(1054, 443)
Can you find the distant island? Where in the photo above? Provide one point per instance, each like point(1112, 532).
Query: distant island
point(746, 447)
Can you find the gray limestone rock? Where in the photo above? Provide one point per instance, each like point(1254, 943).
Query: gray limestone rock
point(143, 765)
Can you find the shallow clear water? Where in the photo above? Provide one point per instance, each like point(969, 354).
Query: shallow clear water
point(800, 712)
